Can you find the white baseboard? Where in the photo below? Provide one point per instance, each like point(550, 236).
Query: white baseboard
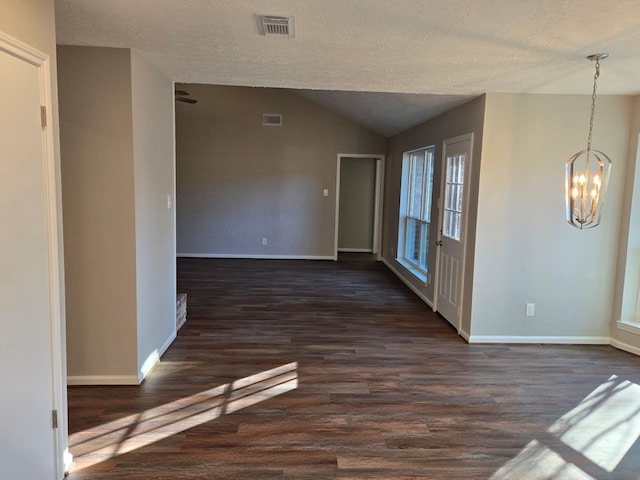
point(154, 358)
point(465, 335)
point(356, 250)
point(625, 346)
point(67, 460)
point(255, 257)
point(407, 283)
point(168, 343)
point(570, 340)
point(102, 380)
point(150, 363)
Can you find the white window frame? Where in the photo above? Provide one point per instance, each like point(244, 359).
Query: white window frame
point(423, 219)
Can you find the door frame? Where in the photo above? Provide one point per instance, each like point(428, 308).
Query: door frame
point(465, 209)
point(378, 200)
point(42, 62)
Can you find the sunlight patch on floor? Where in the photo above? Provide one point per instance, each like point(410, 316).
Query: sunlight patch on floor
point(125, 435)
point(537, 462)
point(605, 425)
point(601, 429)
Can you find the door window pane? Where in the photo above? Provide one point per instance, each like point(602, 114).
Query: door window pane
point(452, 224)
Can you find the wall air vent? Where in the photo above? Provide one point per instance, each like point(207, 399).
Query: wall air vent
point(272, 119)
point(275, 26)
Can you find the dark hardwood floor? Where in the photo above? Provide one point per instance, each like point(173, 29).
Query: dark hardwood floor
point(335, 370)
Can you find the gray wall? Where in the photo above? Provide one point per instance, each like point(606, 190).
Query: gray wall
point(238, 181)
point(118, 168)
point(154, 161)
point(467, 118)
point(357, 204)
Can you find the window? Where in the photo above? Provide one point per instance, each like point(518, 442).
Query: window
point(453, 197)
point(415, 208)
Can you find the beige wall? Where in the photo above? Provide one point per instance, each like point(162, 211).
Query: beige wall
point(525, 250)
point(467, 118)
point(154, 155)
point(32, 22)
point(357, 203)
point(118, 170)
point(99, 217)
point(238, 181)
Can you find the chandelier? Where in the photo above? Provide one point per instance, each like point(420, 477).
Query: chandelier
point(587, 173)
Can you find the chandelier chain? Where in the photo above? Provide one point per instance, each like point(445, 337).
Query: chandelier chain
point(593, 102)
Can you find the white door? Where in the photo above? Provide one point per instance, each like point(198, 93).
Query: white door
point(453, 222)
point(27, 438)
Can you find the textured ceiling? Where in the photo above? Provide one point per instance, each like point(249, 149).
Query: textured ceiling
point(441, 47)
point(384, 113)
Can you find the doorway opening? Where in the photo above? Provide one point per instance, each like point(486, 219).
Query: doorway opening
point(358, 210)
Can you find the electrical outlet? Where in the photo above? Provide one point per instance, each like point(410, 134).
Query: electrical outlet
point(265, 241)
point(530, 310)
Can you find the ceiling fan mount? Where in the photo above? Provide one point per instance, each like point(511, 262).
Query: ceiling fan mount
point(181, 96)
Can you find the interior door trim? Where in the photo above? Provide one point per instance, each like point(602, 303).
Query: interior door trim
point(378, 201)
point(26, 53)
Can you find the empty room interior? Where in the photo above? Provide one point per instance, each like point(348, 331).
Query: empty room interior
point(312, 240)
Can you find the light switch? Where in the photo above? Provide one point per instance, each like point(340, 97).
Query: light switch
point(530, 309)
point(325, 192)
point(169, 202)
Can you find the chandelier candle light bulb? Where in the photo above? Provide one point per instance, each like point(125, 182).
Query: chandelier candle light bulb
point(587, 174)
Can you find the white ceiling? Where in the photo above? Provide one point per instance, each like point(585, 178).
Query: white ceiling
point(452, 50)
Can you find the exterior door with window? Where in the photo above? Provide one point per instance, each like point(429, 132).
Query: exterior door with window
point(453, 222)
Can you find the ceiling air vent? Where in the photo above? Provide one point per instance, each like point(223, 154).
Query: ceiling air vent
point(275, 26)
point(272, 119)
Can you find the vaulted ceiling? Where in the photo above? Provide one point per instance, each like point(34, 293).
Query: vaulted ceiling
point(447, 51)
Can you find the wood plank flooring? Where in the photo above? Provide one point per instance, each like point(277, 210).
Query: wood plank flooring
point(334, 370)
